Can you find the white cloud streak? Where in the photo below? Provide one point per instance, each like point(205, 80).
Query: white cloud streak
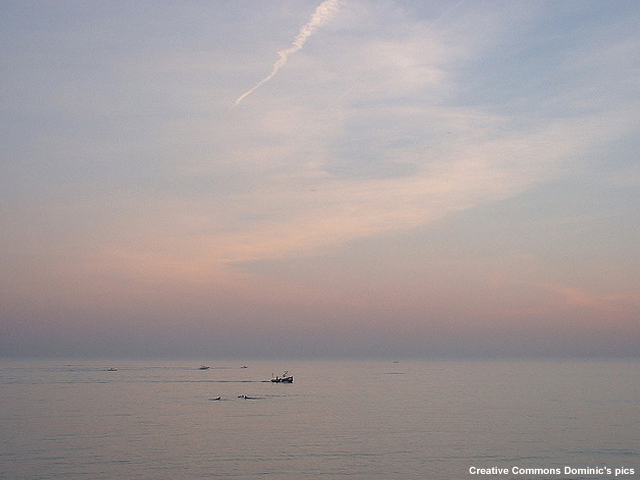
point(320, 17)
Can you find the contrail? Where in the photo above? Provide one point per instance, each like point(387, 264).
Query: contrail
point(320, 17)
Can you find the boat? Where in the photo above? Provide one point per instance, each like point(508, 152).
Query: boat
point(112, 369)
point(203, 367)
point(285, 378)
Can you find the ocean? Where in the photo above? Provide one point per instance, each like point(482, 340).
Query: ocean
point(362, 420)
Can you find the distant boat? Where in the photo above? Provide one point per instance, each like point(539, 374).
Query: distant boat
point(243, 366)
point(285, 378)
point(203, 367)
point(112, 369)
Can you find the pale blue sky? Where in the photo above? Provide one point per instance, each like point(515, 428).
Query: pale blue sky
point(418, 179)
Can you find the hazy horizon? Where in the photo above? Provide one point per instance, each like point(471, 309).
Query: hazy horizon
point(308, 179)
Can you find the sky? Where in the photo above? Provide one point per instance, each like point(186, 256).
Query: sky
point(308, 179)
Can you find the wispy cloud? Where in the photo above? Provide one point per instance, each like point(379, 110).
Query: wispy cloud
point(321, 16)
point(578, 297)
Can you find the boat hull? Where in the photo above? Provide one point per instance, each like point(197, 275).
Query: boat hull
point(282, 380)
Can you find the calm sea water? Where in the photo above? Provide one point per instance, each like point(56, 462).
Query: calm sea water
point(356, 420)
